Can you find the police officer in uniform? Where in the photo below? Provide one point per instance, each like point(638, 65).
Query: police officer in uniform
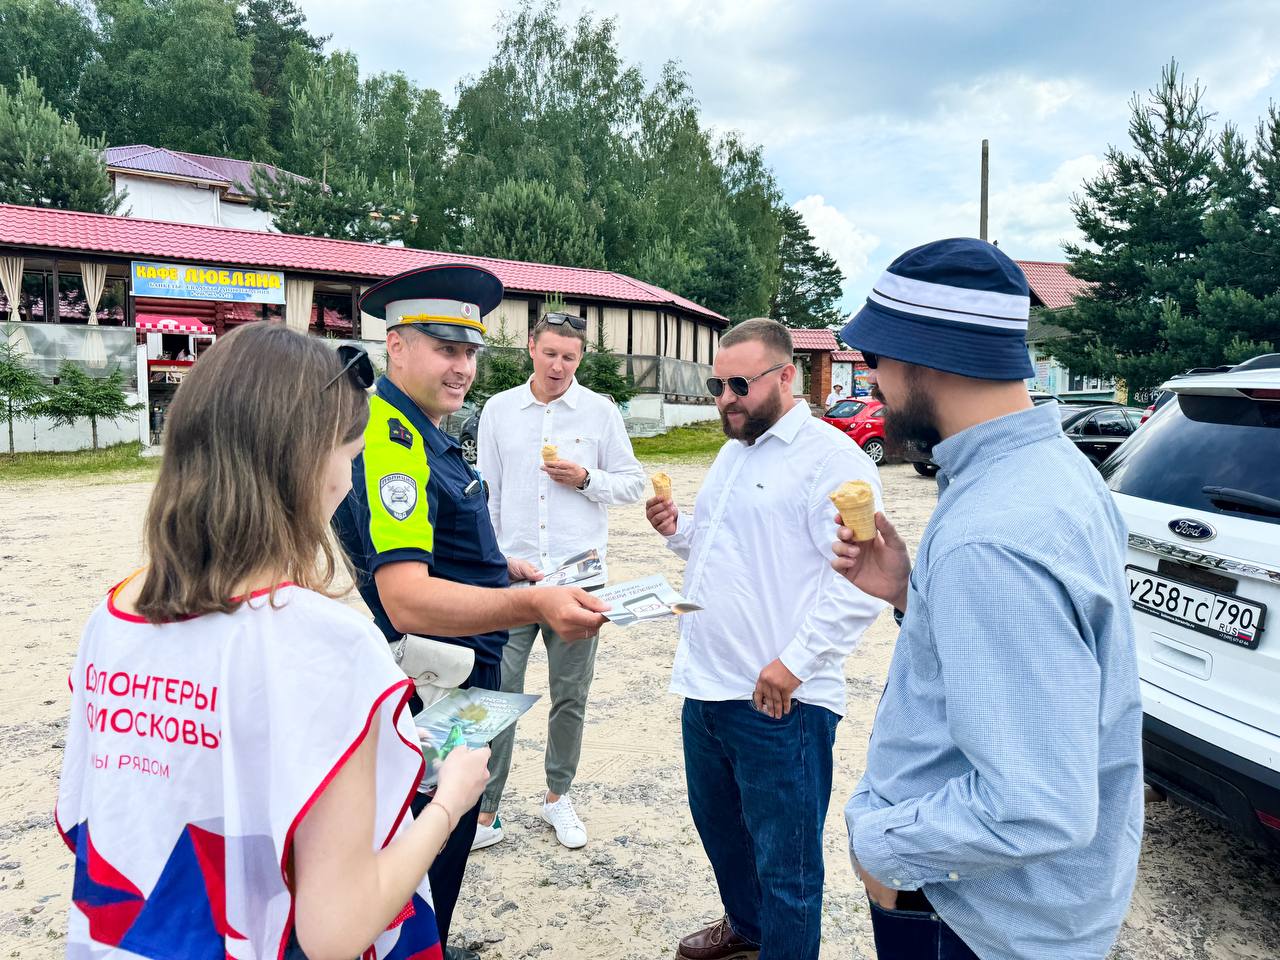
point(416, 524)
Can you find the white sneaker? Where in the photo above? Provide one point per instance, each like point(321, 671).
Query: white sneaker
point(570, 830)
point(488, 834)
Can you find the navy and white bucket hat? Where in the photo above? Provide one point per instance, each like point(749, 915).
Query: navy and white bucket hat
point(956, 305)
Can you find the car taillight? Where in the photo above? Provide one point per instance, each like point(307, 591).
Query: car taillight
point(1262, 394)
point(1269, 820)
point(1146, 414)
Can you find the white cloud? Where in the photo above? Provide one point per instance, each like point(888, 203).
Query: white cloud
point(1031, 219)
point(837, 234)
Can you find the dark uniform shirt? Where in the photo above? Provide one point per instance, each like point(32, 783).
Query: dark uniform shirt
point(414, 497)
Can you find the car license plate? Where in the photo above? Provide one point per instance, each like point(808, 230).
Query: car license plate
point(1219, 615)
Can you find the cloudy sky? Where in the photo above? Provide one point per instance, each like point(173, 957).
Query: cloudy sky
point(872, 114)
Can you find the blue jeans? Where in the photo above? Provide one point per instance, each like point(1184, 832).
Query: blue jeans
point(758, 791)
point(911, 934)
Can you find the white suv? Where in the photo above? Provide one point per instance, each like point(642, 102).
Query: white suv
point(1199, 485)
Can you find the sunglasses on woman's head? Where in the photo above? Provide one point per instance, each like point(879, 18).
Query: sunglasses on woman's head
point(355, 364)
point(740, 386)
point(559, 319)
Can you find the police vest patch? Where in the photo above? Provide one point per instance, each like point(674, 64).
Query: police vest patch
point(399, 494)
point(400, 434)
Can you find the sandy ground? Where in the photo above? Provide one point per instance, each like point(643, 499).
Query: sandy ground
point(642, 881)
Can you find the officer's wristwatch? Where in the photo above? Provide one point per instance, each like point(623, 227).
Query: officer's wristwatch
point(586, 481)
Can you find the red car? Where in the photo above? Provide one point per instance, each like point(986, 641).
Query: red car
point(863, 420)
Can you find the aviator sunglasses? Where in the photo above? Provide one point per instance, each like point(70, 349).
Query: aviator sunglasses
point(357, 365)
point(739, 385)
point(558, 319)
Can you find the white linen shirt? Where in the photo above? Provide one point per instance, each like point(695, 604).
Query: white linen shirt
point(759, 550)
point(537, 519)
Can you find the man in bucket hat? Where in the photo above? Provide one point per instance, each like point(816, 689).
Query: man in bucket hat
point(1000, 814)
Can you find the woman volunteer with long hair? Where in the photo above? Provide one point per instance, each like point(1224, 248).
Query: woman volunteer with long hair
point(239, 761)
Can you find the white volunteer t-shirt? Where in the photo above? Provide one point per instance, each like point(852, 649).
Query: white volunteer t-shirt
point(193, 752)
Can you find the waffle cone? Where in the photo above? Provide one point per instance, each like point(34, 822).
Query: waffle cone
point(661, 486)
point(856, 502)
point(550, 453)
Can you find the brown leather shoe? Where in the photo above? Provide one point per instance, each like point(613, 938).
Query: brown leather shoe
point(717, 942)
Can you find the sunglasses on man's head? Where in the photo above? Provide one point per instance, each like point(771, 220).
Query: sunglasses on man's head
point(740, 386)
point(355, 364)
point(559, 319)
point(871, 359)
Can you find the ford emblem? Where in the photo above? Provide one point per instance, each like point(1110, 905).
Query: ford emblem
point(1192, 529)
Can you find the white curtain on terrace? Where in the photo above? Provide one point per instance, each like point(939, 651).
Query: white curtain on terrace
point(297, 303)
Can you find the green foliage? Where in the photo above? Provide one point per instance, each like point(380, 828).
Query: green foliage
point(175, 74)
point(809, 281)
point(1182, 245)
point(52, 40)
point(601, 371)
point(558, 107)
point(44, 162)
point(282, 53)
point(21, 388)
point(528, 220)
point(504, 363)
point(78, 396)
point(349, 207)
point(325, 121)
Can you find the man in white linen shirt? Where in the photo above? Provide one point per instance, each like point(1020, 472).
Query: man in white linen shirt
point(545, 513)
point(761, 667)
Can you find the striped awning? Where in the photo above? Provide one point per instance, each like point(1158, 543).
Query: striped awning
point(151, 321)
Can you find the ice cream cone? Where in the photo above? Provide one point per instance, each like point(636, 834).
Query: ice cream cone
point(662, 486)
point(549, 453)
point(856, 502)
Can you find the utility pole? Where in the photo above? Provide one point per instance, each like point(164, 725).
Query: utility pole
point(982, 217)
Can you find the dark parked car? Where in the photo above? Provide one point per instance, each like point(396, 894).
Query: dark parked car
point(463, 425)
point(1097, 427)
point(1098, 430)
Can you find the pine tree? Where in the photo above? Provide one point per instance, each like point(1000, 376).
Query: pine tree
point(601, 371)
point(78, 396)
point(809, 282)
point(44, 161)
point(21, 388)
point(529, 220)
point(1183, 246)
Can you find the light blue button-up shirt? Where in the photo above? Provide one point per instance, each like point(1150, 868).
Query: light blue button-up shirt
point(1004, 773)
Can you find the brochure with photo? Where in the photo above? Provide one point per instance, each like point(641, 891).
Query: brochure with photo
point(649, 598)
point(473, 717)
point(584, 569)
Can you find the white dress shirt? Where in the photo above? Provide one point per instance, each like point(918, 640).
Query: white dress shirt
point(537, 519)
point(759, 550)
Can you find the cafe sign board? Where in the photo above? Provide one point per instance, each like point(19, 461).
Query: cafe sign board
point(181, 281)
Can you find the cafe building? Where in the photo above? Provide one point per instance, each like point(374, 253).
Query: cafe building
point(146, 297)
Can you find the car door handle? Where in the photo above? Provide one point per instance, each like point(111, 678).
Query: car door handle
point(1181, 657)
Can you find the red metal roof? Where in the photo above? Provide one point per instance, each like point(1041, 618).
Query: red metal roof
point(847, 356)
point(1051, 284)
point(69, 231)
point(814, 340)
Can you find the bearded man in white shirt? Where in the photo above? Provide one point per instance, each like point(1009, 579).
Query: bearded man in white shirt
point(761, 667)
point(545, 512)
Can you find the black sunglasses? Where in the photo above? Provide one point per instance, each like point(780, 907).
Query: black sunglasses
point(559, 319)
point(739, 385)
point(357, 365)
point(871, 359)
